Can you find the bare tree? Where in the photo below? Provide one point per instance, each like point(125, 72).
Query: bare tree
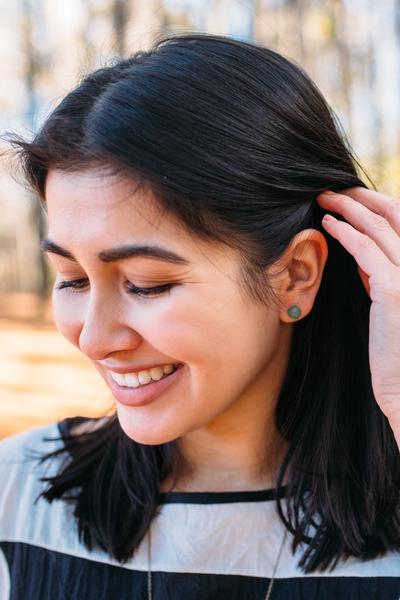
point(121, 14)
point(373, 97)
point(338, 17)
point(34, 227)
point(397, 29)
point(301, 9)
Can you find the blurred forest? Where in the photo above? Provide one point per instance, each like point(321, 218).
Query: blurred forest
point(351, 48)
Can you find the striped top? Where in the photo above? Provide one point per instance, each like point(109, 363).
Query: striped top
point(204, 545)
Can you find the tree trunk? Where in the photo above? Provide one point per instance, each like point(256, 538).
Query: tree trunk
point(35, 218)
point(120, 14)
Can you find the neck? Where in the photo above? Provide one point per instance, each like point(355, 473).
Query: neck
point(239, 457)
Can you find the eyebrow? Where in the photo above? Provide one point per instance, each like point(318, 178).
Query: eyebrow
point(120, 253)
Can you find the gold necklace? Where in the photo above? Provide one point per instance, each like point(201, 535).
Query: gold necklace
point(270, 585)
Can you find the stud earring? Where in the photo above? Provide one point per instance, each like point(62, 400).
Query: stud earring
point(294, 312)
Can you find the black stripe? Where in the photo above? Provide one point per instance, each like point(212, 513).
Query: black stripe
point(220, 497)
point(42, 574)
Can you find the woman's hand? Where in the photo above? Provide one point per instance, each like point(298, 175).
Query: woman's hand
point(372, 236)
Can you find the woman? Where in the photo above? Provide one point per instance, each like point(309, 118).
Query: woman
point(251, 347)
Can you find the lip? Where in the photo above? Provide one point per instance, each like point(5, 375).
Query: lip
point(141, 395)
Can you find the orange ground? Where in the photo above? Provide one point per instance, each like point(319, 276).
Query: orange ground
point(43, 378)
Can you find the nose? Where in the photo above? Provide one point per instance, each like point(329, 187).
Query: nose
point(105, 328)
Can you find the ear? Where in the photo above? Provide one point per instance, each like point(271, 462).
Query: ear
point(297, 275)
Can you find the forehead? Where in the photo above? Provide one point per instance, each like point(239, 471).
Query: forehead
point(92, 210)
point(103, 203)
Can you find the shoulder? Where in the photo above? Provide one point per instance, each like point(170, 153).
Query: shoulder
point(20, 469)
point(25, 515)
point(20, 454)
point(18, 451)
point(14, 448)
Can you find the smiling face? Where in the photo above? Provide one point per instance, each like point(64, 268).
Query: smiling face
point(232, 350)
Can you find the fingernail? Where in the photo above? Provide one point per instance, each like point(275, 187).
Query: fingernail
point(329, 218)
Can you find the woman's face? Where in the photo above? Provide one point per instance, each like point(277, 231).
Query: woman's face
point(232, 350)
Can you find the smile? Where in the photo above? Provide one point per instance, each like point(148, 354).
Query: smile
point(143, 393)
point(141, 378)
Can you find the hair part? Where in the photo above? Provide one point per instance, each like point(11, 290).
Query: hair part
point(236, 141)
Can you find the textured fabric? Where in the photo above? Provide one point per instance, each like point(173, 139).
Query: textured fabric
point(205, 546)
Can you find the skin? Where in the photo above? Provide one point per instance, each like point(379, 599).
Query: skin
point(234, 349)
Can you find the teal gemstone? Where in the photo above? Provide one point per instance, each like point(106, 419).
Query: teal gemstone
point(294, 312)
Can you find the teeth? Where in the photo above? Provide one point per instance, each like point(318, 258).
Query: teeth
point(143, 377)
point(120, 379)
point(156, 373)
point(131, 380)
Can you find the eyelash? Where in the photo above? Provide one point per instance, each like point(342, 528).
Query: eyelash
point(132, 289)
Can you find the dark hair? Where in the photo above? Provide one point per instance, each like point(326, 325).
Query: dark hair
point(236, 141)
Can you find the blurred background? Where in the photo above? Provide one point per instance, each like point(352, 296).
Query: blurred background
point(351, 48)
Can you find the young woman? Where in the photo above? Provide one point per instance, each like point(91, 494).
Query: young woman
point(251, 346)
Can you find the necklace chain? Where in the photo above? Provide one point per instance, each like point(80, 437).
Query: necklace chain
point(270, 585)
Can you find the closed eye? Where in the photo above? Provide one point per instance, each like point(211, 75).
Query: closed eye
point(78, 284)
point(150, 291)
point(75, 284)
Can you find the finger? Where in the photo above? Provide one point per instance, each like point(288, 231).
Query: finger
point(381, 204)
point(367, 222)
point(369, 257)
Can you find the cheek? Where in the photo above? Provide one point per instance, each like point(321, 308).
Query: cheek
point(67, 318)
point(200, 332)
point(185, 330)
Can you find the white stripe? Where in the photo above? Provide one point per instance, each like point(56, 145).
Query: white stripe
point(4, 578)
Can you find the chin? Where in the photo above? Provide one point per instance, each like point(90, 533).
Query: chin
point(145, 433)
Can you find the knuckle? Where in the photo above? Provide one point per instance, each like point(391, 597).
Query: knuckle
point(380, 222)
point(366, 242)
point(393, 211)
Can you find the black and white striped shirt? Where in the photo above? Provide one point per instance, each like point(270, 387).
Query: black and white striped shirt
point(205, 546)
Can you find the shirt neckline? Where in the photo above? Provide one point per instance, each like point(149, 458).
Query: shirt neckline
point(175, 497)
point(221, 497)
